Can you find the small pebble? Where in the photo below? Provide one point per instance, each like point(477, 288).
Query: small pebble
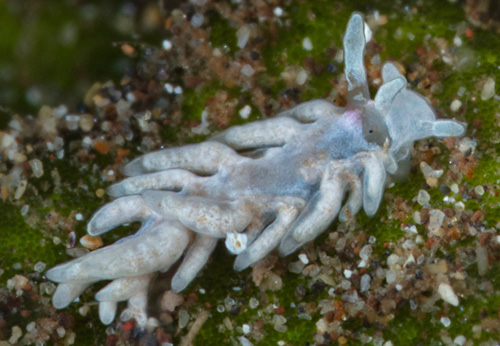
point(128, 50)
point(488, 89)
point(345, 284)
point(39, 267)
point(166, 44)
point(247, 70)
point(30, 327)
point(246, 328)
point(6, 140)
point(459, 207)
point(244, 341)
point(243, 34)
point(72, 121)
point(102, 147)
point(390, 276)
point(19, 157)
point(91, 243)
point(455, 105)
point(413, 305)
point(18, 282)
point(460, 340)
point(15, 335)
point(253, 303)
point(197, 20)
point(304, 316)
point(435, 221)
point(36, 167)
point(411, 228)
point(70, 339)
point(466, 145)
point(366, 252)
point(365, 283)
point(301, 77)
point(479, 190)
point(437, 268)
point(472, 231)
point(87, 142)
point(273, 282)
point(24, 210)
point(347, 273)
point(444, 189)
point(61, 332)
point(229, 302)
point(392, 260)
point(48, 121)
point(307, 44)
point(60, 111)
point(342, 340)
point(183, 318)
point(15, 125)
point(86, 122)
point(47, 288)
point(84, 310)
point(446, 293)
point(445, 321)
point(482, 260)
point(152, 323)
point(432, 181)
point(423, 197)
point(171, 300)
point(169, 88)
point(303, 258)
point(369, 34)
point(476, 330)
point(245, 112)
point(280, 328)
point(21, 188)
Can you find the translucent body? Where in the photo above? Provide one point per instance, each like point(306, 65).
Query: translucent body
point(278, 183)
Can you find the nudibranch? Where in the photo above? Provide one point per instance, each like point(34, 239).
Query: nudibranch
point(271, 184)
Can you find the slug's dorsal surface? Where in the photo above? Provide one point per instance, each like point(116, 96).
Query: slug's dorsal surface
point(275, 183)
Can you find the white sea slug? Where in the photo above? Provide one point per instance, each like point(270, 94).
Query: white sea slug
point(275, 183)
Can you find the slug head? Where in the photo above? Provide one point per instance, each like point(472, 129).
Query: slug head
point(373, 125)
point(396, 116)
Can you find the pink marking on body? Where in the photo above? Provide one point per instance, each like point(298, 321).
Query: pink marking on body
point(352, 118)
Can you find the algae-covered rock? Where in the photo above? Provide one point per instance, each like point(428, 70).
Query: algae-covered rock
point(186, 79)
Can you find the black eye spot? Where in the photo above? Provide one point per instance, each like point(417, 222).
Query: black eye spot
point(371, 131)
